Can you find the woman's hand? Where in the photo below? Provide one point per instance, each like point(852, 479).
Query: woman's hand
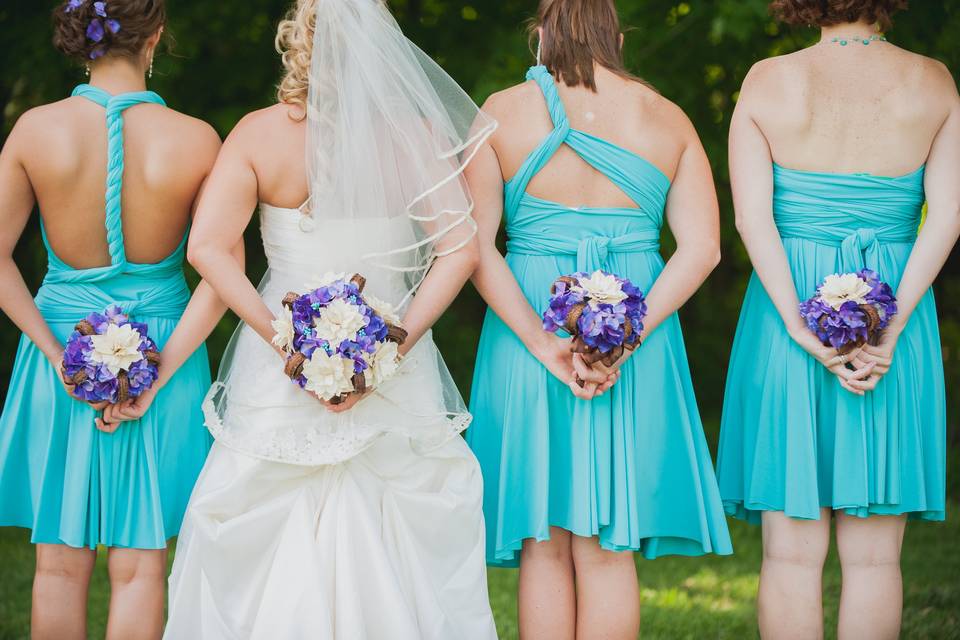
point(347, 404)
point(556, 355)
point(116, 414)
point(853, 380)
point(880, 357)
point(69, 388)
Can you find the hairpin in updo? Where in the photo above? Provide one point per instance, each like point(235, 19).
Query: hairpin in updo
point(98, 26)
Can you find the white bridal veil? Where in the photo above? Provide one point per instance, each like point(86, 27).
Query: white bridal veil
point(389, 134)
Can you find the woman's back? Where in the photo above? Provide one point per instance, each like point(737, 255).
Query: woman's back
point(167, 156)
point(623, 112)
point(850, 109)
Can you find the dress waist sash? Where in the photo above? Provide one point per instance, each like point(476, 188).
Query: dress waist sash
point(591, 251)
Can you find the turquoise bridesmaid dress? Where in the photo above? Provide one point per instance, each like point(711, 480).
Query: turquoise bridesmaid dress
point(59, 476)
point(792, 439)
point(631, 467)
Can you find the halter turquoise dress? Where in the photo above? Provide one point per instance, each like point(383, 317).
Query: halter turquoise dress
point(792, 439)
point(61, 477)
point(632, 466)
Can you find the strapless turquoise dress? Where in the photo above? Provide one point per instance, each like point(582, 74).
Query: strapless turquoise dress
point(631, 467)
point(59, 476)
point(792, 439)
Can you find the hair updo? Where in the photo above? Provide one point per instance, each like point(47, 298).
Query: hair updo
point(295, 45)
point(827, 13)
point(90, 29)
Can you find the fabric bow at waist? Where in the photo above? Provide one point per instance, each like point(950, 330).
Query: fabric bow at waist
point(859, 248)
point(166, 298)
point(591, 251)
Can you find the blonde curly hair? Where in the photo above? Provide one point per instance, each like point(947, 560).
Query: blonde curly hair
point(295, 45)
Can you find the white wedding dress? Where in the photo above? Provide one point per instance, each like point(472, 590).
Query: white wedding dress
point(309, 524)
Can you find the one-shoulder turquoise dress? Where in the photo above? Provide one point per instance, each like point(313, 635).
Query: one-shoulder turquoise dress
point(61, 477)
point(792, 439)
point(632, 466)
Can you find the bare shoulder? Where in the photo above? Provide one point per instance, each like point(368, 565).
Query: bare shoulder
point(937, 79)
point(191, 135)
point(659, 110)
point(772, 76)
point(39, 124)
point(505, 103)
point(262, 127)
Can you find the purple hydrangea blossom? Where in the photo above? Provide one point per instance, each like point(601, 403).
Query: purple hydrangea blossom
point(601, 325)
point(308, 308)
point(101, 385)
point(849, 324)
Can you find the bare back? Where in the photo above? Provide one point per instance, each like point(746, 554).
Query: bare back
point(167, 157)
point(848, 109)
point(276, 142)
point(622, 111)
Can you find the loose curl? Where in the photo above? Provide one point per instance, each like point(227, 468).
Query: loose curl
point(295, 44)
point(138, 21)
point(827, 13)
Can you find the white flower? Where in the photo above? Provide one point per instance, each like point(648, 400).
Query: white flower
point(384, 362)
point(328, 376)
point(283, 326)
point(837, 289)
point(383, 309)
point(325, 280)
point(118, 348)
point(339, 321)
point(602, 287)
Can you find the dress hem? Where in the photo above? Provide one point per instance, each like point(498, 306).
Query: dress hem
point(752, 513)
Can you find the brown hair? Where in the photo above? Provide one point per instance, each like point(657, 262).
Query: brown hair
point(577, 34)
point(138, 20)
point(827, 13)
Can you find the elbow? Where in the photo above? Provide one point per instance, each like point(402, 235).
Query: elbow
point(198, 255)
point(471, 257)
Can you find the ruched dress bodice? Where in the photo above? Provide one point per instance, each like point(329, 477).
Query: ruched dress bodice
point(792, 439)
point(595, 468)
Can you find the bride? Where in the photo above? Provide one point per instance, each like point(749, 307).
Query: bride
point(363, 519)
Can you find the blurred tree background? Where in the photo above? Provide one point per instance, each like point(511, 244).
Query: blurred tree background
point(221, 63)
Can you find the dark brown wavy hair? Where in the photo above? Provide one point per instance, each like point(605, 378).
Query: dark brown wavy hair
point(138, 21)
point(826, 13)
point(577, 34)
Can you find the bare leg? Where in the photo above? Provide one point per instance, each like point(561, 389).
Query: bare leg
point(60, 588)
point(608, 598)
point(547, 600)
point(871, 602)
point(790, 602)
point(137, 579)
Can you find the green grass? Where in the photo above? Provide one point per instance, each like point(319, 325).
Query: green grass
point(699, 598)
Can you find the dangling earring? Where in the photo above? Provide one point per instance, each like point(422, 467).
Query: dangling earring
point(539, 43)
point(150, 71)
point(86, 70)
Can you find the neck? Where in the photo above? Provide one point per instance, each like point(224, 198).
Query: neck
point(117, 75)
point(860, 29)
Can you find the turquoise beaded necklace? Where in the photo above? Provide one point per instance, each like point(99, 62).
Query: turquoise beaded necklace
point(865, 41)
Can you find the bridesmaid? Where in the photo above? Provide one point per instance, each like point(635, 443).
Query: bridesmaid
point(587, 162)
point(833, 151)
point(80, 480)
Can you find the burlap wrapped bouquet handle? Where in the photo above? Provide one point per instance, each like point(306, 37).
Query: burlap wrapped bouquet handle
point(294, 366)
point(592, 355)
point(84, 328)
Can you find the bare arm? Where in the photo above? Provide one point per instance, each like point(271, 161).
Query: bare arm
point(18, 200)
point(694, 218)
point(224, 211)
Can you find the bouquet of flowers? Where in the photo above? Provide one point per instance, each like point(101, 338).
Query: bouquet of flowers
point(850, 309)
point(108, 358)
point(338, 341)
point(604, 314)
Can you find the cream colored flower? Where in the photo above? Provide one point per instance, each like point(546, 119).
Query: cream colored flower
point(283, 328)
point(325, 280)
point(837, 289)
point(328, 376)
point(339, 321)
point(118, 348)
point(384, 362)
point(602, 287)
point(383, 309)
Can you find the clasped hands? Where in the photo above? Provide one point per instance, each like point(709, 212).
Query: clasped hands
point(585, 381)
